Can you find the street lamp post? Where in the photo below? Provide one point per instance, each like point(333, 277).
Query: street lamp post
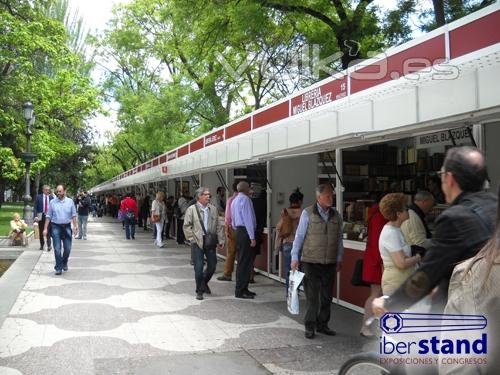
point(28, 157)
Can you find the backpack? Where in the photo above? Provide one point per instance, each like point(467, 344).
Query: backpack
point(286, 224)
point(129, 214)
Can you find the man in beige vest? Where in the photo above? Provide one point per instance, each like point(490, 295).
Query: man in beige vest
point(319, 239)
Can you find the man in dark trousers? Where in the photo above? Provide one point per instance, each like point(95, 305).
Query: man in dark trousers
point(319, 235)
point(41, 208)
point(459, 232)
point(243, 222)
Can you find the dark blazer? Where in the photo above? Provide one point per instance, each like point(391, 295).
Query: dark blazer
point(39, 204)
point(460, 232)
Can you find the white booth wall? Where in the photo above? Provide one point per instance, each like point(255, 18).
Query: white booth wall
point(287, 175)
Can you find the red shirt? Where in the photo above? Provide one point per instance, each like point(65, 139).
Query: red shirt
point(372, 262)
point(131, 204)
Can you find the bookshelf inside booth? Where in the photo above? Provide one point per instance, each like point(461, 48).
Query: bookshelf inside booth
point(405, 165)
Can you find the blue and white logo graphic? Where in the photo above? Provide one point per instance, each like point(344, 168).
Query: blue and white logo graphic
point(393, 323)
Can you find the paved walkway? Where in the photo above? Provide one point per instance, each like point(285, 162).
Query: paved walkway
point(126, 307)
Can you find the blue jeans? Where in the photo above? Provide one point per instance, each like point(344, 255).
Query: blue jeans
point(61, 233)
point(203, 277)
point(82, 226)
point(129, 228)
point(286, 248)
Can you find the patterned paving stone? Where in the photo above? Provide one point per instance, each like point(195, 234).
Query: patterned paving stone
point(128, 307)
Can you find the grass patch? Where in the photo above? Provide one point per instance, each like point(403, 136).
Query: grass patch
point(6, 213)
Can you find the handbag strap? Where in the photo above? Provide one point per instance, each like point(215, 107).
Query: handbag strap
point(201, 221)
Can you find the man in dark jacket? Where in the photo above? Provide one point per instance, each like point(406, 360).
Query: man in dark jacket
point(41, 208)
point(459, 233)
point(83, 207)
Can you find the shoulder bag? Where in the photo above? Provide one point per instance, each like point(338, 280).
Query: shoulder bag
point(210, 240)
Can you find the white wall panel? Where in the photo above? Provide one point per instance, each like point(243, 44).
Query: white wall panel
point(278, 138)
point(232, 151)
point(447, 98)
point(298, 134)
point(355, 119)
point(221, 154)
point(324, 127)
point(245, 149)
point(398, 110)
point(260, 144)
point(489, 87)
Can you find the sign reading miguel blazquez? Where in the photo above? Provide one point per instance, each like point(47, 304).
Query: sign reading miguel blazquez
point(319, 96)
point(438, 340)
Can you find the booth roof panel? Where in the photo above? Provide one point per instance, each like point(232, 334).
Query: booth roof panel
point(480, 33)
point(361, 110)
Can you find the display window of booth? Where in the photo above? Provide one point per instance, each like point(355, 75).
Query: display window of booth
point(406, 165)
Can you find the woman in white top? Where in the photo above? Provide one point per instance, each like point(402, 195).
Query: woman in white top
point(158, 215)
point(395, 252)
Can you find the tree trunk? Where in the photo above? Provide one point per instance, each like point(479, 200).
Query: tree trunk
point(439, 12)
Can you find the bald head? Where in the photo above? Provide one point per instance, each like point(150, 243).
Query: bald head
point(468, 167)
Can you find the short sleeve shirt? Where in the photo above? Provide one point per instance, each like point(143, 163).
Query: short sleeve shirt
point(392, 240)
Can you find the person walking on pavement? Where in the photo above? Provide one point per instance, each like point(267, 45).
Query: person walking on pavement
point(182, 206)
point(40, 213)
point(319, 236)
point(206, 235)
point(230, 239)
point(128, 207)
point(459, 232)
point(243, 222)
point(61, 213)
point(158, 216)
point(83, 204)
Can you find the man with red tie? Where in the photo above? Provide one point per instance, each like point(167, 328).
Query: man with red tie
point(41, 209)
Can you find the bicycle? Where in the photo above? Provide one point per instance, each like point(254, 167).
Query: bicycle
point(368, 363)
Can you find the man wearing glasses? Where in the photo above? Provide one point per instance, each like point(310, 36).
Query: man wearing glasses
point(206, 235)
point(459, 233)
point(61, 213)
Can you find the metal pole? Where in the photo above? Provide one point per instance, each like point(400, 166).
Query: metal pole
point(268, 218)
point(28, 210)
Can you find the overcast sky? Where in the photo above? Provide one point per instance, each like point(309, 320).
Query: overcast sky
point(96, 13)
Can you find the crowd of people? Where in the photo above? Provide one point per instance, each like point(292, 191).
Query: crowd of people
point(404, 261)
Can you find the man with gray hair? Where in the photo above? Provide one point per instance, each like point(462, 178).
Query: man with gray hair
point(319, 236)
point(415, 229)
point(244, 223)
point(203, 230)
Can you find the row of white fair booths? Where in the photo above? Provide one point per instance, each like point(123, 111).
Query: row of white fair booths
point(382, 125)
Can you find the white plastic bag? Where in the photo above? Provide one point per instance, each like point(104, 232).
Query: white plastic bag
point(293, 291)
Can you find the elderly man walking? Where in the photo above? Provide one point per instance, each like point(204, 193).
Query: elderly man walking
point(244, 223)
point(203, 230)
point(319, 235)
point(61, 213)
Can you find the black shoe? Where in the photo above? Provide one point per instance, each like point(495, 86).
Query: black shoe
point(207, 289)
point(58, 273)
point(49, 248)
point(244, 296)
point(327, 331)
point(65, 268)
point(224, 278)
point(309, 334)
point(250, 293)
point(199, 296)
point(41, 248)
point(133, 237)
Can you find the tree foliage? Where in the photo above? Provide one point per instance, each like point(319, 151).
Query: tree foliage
point(38, 64)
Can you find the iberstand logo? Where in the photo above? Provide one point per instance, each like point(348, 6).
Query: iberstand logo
point(433, 339)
